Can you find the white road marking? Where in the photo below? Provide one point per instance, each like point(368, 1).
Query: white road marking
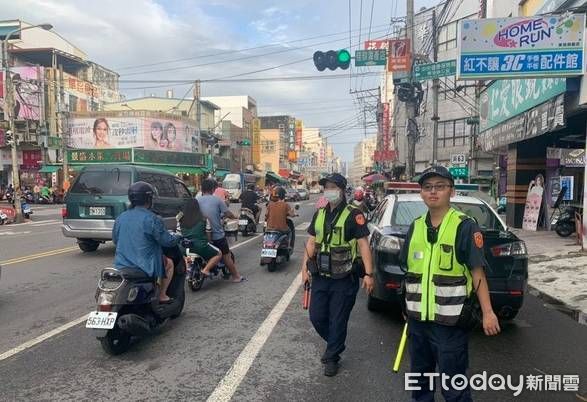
point(228, 385)
point(41, 338)
point(11, 233)
point(73, 323)
point(303, 226)
point(46, 222)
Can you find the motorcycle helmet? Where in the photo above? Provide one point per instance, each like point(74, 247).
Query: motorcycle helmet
point(140, 193)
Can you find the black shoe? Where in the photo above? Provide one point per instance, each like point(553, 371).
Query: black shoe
point(331, 369)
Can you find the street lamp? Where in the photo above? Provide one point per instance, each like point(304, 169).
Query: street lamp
point(9, 108)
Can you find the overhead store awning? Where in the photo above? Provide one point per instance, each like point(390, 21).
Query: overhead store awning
point(180, 169)
point(220, 173)
point(49, 169)
point(272, 176)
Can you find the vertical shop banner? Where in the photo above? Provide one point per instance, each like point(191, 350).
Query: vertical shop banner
point(534, 203)
point(28, 92)
point(256, 141)
point(111, 132)
point(521, 47)
point(399, 57)
point(299, 134)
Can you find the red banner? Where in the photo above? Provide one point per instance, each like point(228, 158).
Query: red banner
point(399, 57)
point(376, 44)
point(31, 159)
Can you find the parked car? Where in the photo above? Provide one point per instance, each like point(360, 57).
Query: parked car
point(304, 194)
point(506, 254)
point(291, 194)
point(100, 194)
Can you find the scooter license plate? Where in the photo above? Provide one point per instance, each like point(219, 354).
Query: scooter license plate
point(243, 222)
point(101, 320)
point(269, 252)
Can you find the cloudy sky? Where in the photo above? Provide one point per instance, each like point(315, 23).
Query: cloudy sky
point(148, 40)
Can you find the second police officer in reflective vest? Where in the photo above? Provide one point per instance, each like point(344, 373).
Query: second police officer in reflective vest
point(445, 263)
point(338, 234)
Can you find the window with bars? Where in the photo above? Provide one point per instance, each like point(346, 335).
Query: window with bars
point(267, 146)
point(452, 133)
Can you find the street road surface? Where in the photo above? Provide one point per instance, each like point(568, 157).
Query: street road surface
point(249, 341)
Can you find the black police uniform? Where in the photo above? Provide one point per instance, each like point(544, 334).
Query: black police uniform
point(333, 299)
point(431, 344)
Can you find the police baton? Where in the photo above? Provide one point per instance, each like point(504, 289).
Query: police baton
point(400, 349)
point(306, 298)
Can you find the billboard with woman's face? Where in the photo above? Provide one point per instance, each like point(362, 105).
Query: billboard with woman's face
point(130, 132)
point(167, 135)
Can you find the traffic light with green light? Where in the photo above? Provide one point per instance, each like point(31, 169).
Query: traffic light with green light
point(332, 59)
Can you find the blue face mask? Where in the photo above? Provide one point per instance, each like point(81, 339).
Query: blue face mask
point(333, 196)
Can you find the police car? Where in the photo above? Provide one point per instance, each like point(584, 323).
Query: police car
point(506, 254)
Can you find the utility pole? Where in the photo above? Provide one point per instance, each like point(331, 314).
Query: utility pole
point(435, 87)
point(42, 130)
point(197, 95)
point(9, 109)
point(410, 104)
point(62, 129)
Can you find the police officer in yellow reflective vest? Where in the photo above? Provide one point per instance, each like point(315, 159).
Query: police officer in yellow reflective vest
point(338, 233)
point(443, 253)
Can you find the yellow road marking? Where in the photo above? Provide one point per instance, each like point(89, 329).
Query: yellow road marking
point(39, 255)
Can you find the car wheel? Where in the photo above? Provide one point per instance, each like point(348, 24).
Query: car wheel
point(88, 246)
point(374, 304)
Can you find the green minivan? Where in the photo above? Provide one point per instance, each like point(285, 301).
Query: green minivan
point(100, 193)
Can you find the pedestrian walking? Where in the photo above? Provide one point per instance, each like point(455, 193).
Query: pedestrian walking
point(445, 283)
point(332, 263)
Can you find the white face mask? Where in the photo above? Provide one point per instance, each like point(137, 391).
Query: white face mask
point(333, 196)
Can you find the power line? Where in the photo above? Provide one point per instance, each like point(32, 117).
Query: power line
point(232, 51)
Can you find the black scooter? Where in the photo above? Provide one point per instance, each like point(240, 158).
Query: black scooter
point(565, 224)
point(247, 222)
point(278, 246)
point(128, 304)
point(196, 264)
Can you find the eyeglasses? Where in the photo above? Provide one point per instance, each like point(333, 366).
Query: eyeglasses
point(436, 187)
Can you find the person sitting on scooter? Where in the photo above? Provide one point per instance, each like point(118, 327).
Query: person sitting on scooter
point(249, 200)
point(193, 227)
point(277, 212)
point(139, 235)
point(214, 210)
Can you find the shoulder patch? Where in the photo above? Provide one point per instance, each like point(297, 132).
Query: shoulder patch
point(360, 219)
point(478, 238)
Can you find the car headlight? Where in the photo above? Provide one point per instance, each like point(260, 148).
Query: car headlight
point(389, 243)
point(509, 249)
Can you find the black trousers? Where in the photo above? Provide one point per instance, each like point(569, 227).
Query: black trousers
point(432, 345)
point(332, 301)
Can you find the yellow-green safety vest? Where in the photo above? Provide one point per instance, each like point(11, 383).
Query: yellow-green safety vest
point(342, 253)
point(437, 285)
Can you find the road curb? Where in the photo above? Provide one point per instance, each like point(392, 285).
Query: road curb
point(559, 305)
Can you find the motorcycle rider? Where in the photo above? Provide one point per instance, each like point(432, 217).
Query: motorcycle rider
point(214, 209)
point(139, 235)
point(249, 200)
point(277, 212)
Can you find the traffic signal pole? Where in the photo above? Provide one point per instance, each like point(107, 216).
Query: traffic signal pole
point(411, 104)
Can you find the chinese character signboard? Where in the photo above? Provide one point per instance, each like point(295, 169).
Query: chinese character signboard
point(99, 156)
point(544, 118)
point(507, 98)
point(376, 44)
point(399, 57)
point(370, 57)
point(299, 129)
point(423, 72)
point(521, 47)
point(256, 141)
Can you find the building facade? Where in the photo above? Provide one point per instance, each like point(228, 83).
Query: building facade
point(362, 159)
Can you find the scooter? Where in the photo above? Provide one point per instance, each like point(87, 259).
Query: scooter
point(247, 222)
point(565, 224)
point(128, 304)
point(3, 218)
point(277, 246)
point(25, 209)
point(196, 264)
point(230, 228)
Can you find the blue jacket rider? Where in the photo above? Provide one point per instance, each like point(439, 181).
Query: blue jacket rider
point(139, 236)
